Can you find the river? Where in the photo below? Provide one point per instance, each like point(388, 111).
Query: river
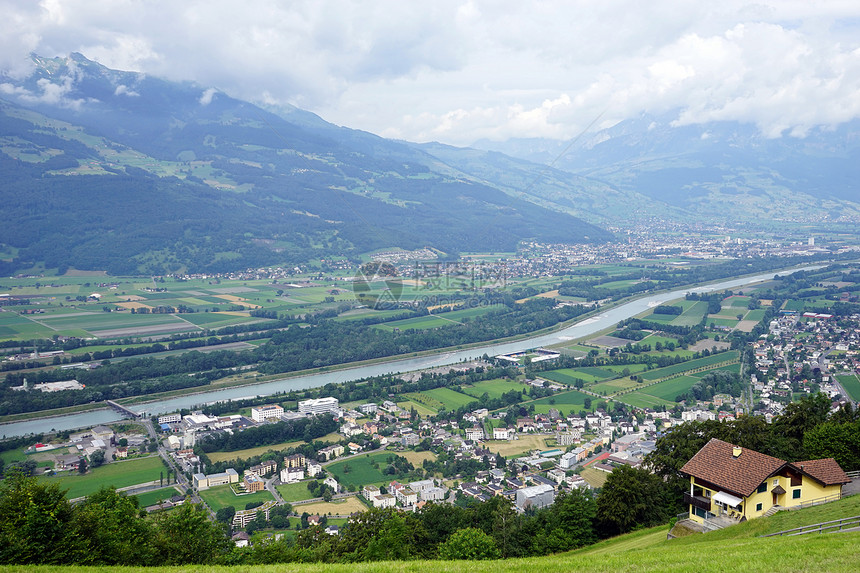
point(580, 329)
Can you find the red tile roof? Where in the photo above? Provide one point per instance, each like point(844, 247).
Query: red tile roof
point(739, 475)
point(826, 471)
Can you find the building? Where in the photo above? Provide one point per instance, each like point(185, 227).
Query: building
point(169, 418)
point(262, 413)
point(290, 475)
point(536, 496)
point(314, 469)
point(319, 406)
point(567, 438)
point(475, 434)
point(202, 482)
point(246, 516)
point(369, 408)
point(265, 468)
point(383, 500)
point(739, 483)
point(502, 433)
point(331, 452)
point(253, 482)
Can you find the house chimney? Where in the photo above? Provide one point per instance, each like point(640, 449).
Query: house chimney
point(736, 452)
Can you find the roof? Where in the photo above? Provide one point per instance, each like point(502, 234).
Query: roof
point(827, 471)
point(741, 475)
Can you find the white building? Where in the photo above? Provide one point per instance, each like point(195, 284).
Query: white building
point(262, 413)
point(291, 475)
point(383, 500)
point(169, 418)
point(318, 406)
point(314, 469)
point(202, 482)
point(536, 496)
point(502, 433)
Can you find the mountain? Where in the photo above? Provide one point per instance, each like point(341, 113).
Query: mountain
point(724, 172)
point(105, 169)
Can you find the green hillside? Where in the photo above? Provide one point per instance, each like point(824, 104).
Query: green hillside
point(738, 548)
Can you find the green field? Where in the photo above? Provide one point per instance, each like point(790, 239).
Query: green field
point(692, 315)
point(295, 491)
point(153, 497)
point(566, 401)
point(494, 388)
point(669, 389)
point(361, 471)
point(117, 474)
point(690, 365)
point(223, 496)
point(417, 323)
point(569, 375)
point(727, 322)
point(642, 400)
point(610, 387)
point(851, 385)
point(449, 398)
point(756, 314)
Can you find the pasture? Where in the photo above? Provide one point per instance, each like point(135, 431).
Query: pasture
point(118, 474)
point(669, 389)
point(610, 387)
point(295, 491)
point(640, 399)
point(224, 496)
point(494, 388)
point(565, 401)
point(851, 385)
point(692, 314)
point(690, 365)
point(362, 469)
point(450, 399)
point(153, 497)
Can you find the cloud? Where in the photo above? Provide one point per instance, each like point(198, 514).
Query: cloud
point(207, 96)
point(123, 89)
point(460, 70)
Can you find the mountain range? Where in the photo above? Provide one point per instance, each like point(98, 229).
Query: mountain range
point(120, 171)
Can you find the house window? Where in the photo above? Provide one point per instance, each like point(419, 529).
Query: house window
point(795, 494)
point(762, 488)
point(758, 507)
point(776, 481)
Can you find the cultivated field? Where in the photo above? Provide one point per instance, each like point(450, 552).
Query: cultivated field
point(495, 388)
point(346, 506)
point(851, 385)
point(117, 474)
point(223, 496)
point(525, 443)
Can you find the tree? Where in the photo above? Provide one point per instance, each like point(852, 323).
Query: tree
point(35, 523)
point(225, 514)
point(114, 533)
point(82, 466)
point(631, 497)
point(185, 535)
point(834, 440)
point(469, 543)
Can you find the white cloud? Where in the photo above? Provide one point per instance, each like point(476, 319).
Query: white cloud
point(460, 70)
point(207, 96)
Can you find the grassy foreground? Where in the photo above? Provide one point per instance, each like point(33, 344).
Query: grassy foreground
point(833, 552)
point(737, 548)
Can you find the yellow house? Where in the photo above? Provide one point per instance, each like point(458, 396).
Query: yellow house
point(739, 483)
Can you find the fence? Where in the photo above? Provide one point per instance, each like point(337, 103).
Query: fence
point(826, 526)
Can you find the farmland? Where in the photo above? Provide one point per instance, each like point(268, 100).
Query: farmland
point(658, 373)
point(363, 470)
point(116, 474)
point(851, 385)
point(223, 496)
point(494, 388)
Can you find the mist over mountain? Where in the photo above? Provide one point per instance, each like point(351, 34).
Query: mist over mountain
point(718, 171)
point(105, 169)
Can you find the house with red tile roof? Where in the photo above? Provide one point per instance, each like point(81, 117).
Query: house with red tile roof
point(727, 480)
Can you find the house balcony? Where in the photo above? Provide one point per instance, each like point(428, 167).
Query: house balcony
point(698, 501)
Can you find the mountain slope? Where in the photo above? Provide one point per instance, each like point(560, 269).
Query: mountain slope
point(116, 170)
point(720, 171)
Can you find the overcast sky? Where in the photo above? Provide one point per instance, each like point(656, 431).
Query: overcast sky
point(460, 71)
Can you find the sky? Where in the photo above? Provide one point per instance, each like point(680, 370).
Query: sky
point(460, 71)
